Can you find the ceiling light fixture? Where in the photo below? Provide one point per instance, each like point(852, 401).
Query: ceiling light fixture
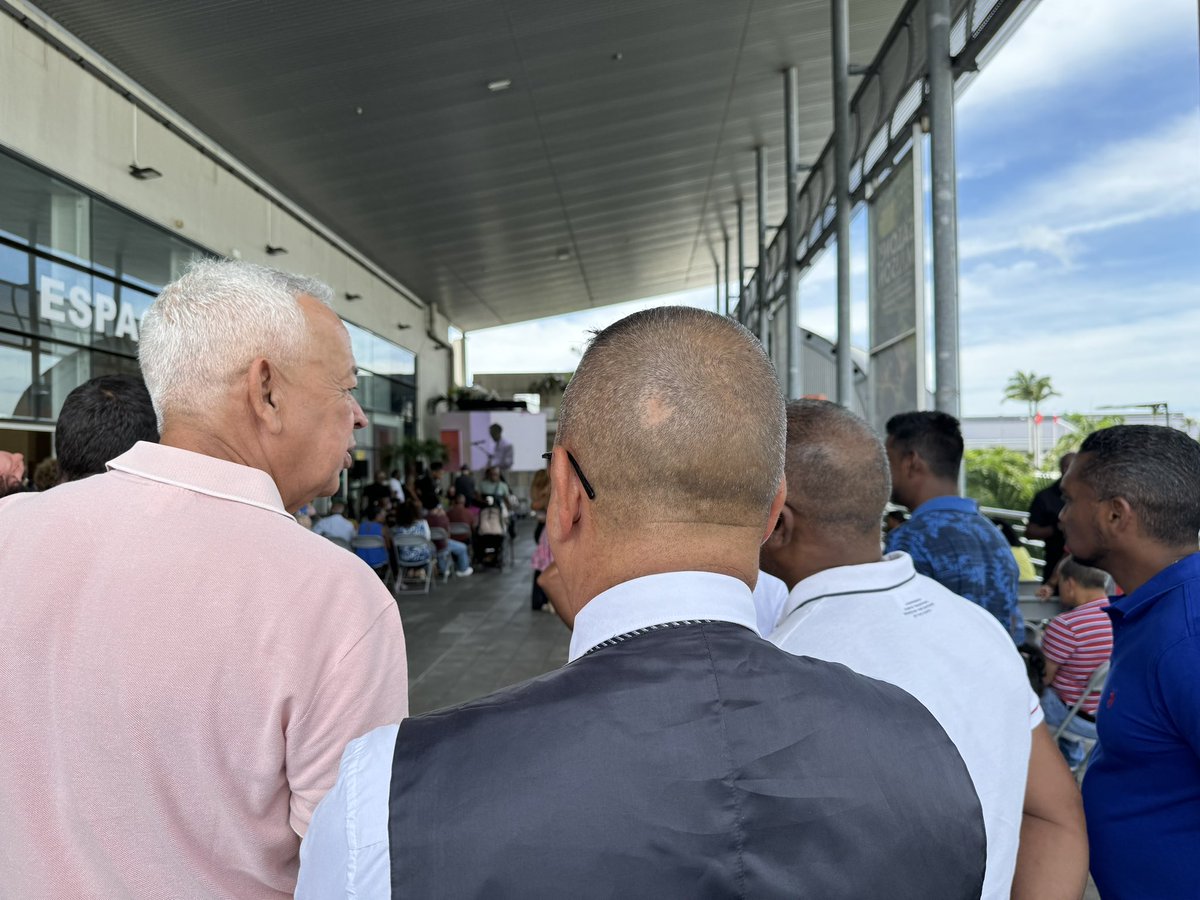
point(350, 296)
point(618, 56)
point(144, 173)
point(275, 251)
point(500, 84)
point(403, 326)
point(562, 254)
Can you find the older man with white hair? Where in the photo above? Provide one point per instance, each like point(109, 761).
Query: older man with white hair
point(181, 664)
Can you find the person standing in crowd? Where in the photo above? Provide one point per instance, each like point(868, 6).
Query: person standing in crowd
point(1131, 507)
point(181, 664)
point(396, 485)
point(500, 454)
point(1043, 519)
point(893, 520)
point(429, 485)
point(378, 490)
point(100, 420)
point(464, 486)
point(875, 614)
point(947, 537)
point(46, 475)
point(336, 525)
point(1025, 568)
point(12, 472)
point(1074, 645)
point(691, 757)
point(539, 499)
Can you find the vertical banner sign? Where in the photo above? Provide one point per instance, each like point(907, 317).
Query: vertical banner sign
point(897, 304)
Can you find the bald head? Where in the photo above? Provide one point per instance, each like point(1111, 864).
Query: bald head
point(675, 414)
point(838, 479)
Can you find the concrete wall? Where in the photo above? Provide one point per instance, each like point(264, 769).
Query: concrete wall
point(56, 113)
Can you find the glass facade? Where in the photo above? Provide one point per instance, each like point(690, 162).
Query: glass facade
point(76, 275)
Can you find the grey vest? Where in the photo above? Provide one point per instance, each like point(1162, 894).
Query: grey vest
point(688, 761)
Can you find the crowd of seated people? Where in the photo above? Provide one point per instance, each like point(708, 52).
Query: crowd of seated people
point(391, 511)
point(761, 700)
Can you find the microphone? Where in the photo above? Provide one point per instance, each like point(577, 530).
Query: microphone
point(478, 443)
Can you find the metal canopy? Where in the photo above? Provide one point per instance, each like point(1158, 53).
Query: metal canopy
point(608, 171)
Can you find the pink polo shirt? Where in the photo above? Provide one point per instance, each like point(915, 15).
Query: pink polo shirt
point(181, 667)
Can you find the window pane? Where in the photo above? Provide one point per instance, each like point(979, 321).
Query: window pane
point(129, 249)
point(16, 375)
point(44, 212)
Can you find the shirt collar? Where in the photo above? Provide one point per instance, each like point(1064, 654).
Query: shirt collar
point(1168, 579)
point(949, 502)
point(202, 474)
point(888, 574)
point(657, 600)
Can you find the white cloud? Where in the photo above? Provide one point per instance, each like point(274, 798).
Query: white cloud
point(1134, 180)
point(1093, 366)
point(555, 344)
point(1066, 42)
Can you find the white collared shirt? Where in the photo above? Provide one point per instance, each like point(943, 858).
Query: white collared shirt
point(886, 621)
point(659, 599)
point(346, 851)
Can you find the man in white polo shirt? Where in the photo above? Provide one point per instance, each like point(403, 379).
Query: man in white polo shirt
point(875, 614)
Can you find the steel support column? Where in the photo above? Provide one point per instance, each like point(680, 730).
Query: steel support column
point(841, 166)
point(792, 140)
point(945, 208)
point(760, 178)
point(741, 248)
point(717, 270)
point(726, 235)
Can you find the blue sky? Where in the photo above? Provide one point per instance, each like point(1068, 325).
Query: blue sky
point(1079, 220)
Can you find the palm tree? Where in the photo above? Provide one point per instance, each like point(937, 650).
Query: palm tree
point(1081, 426)
point(1031, 389)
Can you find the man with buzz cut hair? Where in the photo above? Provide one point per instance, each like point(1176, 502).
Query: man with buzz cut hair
point(181, 663)
point(947, 537)
point(1132, 508)
point(688, 757)
point(100, 420)
point(875, 614)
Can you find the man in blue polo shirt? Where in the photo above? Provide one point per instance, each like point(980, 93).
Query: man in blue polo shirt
point(1132, 508)
point(947, 537)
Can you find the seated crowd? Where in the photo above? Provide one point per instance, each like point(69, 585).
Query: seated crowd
point(765, 697)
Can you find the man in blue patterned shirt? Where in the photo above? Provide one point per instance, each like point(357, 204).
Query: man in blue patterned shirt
point(947, 537)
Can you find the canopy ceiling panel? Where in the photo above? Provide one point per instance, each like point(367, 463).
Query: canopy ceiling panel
point(606, 172)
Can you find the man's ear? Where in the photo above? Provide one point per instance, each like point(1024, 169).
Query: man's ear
point(913, 464)
point(262, 389)
point(775, 520)
point(565, 508)
point(1119, 517)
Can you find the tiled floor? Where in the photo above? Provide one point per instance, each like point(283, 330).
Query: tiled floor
point(473, 635)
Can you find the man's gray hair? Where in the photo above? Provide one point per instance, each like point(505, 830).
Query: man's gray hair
point(207, 326)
